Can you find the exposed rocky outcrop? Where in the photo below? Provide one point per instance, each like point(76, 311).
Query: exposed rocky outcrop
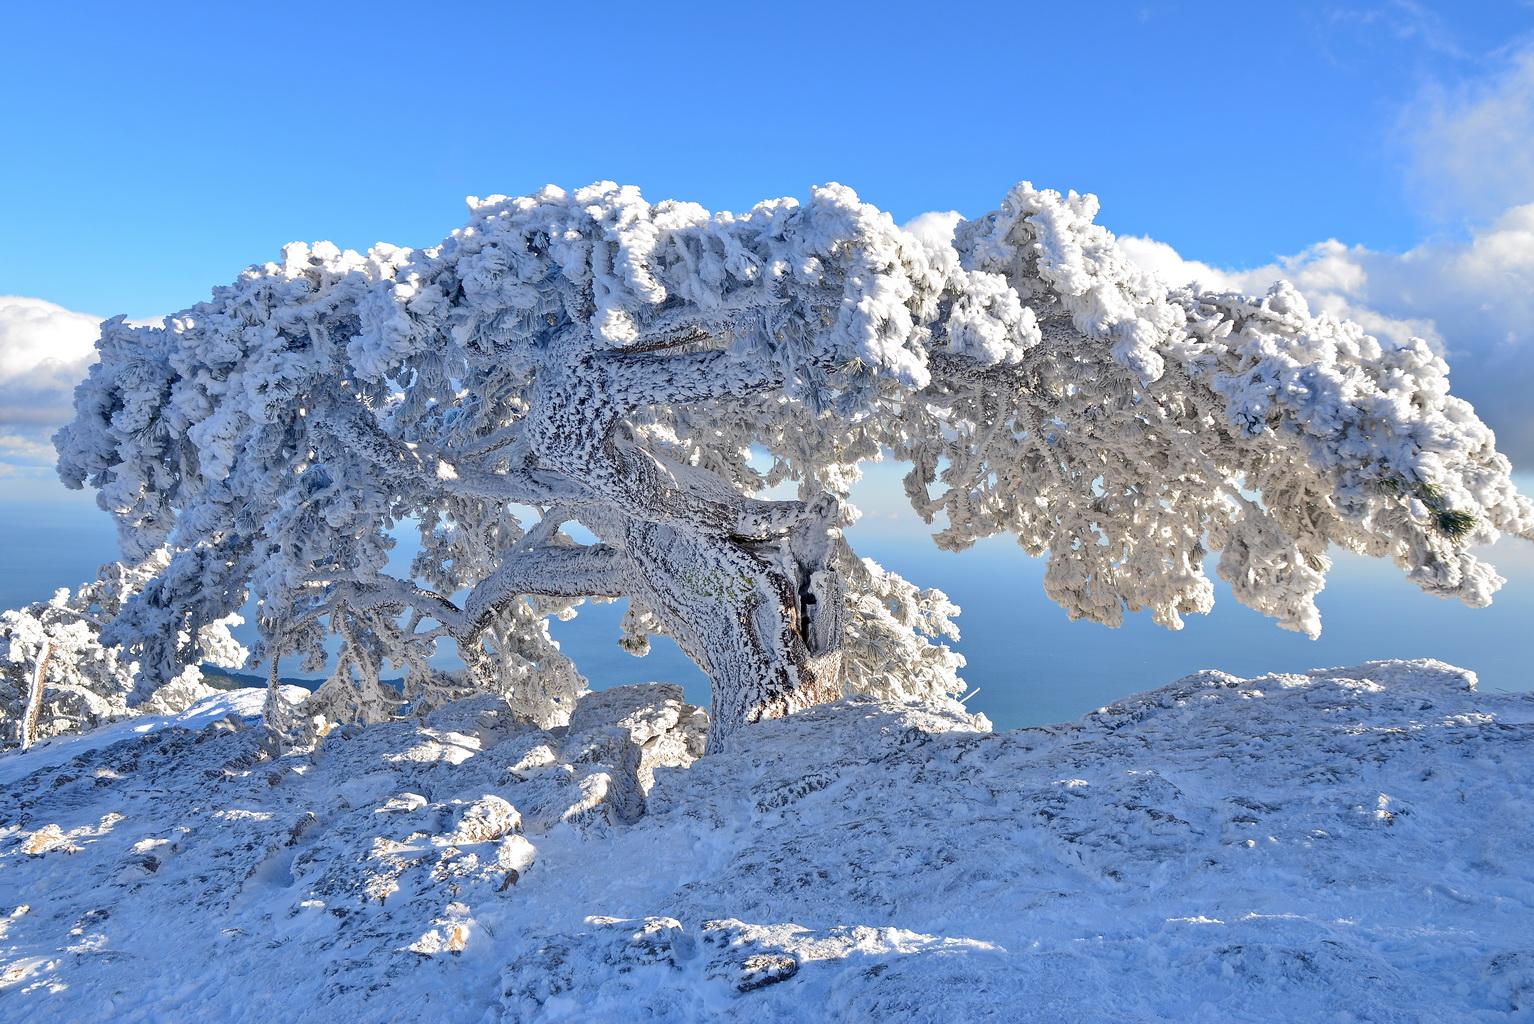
point(1347, 844)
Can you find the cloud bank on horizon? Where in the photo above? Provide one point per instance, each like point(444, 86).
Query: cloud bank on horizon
point(45, 350)
point(1473, 301)
point(1471, 297)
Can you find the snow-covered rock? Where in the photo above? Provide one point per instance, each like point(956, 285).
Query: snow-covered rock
point(1349, 844)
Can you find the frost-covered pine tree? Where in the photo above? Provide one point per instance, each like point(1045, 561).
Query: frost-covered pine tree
point(56, 676)
point(582, 395)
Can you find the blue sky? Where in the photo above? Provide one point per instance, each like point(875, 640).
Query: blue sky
point(157, 149)
point(1380, 154)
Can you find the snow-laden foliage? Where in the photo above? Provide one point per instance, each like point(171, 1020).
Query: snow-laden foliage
point(1151, 426)
point(590, 359)
point(893, 640)
point(57, 676)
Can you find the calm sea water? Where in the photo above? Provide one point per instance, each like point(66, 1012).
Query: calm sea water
point(1031, 664)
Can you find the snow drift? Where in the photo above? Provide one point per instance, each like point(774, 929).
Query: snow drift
point(1347, 844)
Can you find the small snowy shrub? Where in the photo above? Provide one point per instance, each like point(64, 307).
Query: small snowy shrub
point(57, 676)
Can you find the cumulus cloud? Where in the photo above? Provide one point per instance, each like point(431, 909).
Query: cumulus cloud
point(45, 350)
point(1472, 299)
point(934, 228)
point(1472, 144)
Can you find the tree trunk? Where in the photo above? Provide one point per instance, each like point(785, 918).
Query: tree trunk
point(31, 717)
point(745, 587)
point(765, 626)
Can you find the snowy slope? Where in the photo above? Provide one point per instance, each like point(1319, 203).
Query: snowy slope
point(1350, 845)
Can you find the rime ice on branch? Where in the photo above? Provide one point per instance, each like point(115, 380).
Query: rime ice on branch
point(591, 359)
point(56, 676)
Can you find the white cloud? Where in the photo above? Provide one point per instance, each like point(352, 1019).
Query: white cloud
point(1472, 145)
point(18, 446)
point(44, 352)
point(1471, 148)
point(1405, 21)
point(1168, 264)
point(934, 228)
point(1473, 300)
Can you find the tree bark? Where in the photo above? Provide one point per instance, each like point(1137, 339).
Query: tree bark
point(744, 586)
point(737, 610)
point(32, 715)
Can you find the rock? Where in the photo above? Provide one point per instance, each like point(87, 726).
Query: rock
point(485, 820)
point(515, 855)
point(49, 839)
point(178, 695)
point(450, 935)
point(1218, 849)
point(404, 803)
point(669, 732)
point(740, 958)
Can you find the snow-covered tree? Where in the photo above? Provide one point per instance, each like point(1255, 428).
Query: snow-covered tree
point(56, 676)
point(583, 395)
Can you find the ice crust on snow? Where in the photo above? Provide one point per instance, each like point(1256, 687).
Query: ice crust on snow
point(1343, 844)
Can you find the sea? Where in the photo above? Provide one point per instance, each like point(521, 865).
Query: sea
point(1028, 663)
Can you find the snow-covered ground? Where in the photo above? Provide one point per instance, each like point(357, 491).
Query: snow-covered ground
point(1352, 845)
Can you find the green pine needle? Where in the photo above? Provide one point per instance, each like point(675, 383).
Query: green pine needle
point(1456, 524)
